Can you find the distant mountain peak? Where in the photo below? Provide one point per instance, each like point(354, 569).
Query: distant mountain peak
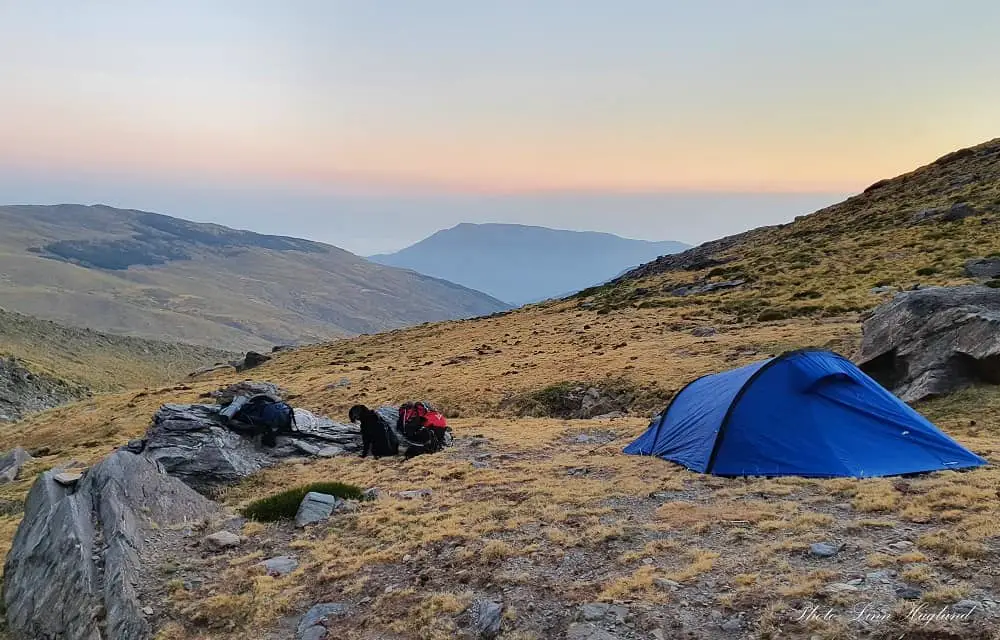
point(525, 263)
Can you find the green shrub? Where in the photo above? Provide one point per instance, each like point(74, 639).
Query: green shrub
point(926, 271)
point(284, 505)
point(993, 284)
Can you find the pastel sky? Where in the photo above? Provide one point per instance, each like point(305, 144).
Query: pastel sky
point(174, 105)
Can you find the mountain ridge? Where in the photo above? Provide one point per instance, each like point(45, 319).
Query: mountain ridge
point(524, 263)
point(134, 272)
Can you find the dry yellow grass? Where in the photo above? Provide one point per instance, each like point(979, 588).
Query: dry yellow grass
point(617, 527)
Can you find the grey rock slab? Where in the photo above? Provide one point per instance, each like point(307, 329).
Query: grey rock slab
point(414, 494)
point(11, 464)
point(487, 617)
point(315, 507)
point(983, 268)
point(934, 341)
point(908, 593)
point(53, 587)
point(593, 611)
point(194, 443)
point(317, 616)
point(824, 549)
point(222, 540)
point(279, 566)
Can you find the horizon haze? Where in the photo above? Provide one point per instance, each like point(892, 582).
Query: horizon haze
point(370, 126)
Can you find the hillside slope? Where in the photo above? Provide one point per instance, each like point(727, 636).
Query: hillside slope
point(144, 274)
point(544, 514)
point(521, 264)
point(100, 361)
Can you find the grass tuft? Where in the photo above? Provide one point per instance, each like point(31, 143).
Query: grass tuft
point(284, 505)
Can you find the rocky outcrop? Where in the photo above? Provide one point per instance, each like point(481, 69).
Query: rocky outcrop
point(74, 564)
point(23, 391)
point(193, 443)
point(934, 341)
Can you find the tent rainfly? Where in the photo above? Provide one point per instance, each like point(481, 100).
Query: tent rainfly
point(808, 413)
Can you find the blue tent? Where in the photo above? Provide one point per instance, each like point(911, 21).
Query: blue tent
point(805, 413)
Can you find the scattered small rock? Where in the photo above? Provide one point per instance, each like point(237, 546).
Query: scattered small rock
point(147, 611)
point(347, 506)
point(372, 493)
point(315, 507)
point(282, 565)
point(664, 583)
point(824, 549)
point(479, 464)
point(703, 332)
point(902, 546)
point(732, 625)
point(882, 290)
point(883, 575)
point(587, 631)
point(222, 540)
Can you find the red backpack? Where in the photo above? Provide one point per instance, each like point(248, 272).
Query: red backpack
point(419, 414)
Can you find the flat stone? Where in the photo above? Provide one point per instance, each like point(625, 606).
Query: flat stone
point(315, 507)
point(330, 452)
point(908, 593)
point(279, 566)
point(594, 611)
point(316, 616)
point(902, 546)
point(414, 494)
point(965, 606)
point(983, 268)
point(147, 611)
point(883, 575)
point(479, 464)
point(68, 478)
point(588, 631)
point(824, 549)
point(222, 540)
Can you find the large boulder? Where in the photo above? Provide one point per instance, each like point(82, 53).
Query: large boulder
point(74, 566)
point(192, 442)
point(934, 341)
